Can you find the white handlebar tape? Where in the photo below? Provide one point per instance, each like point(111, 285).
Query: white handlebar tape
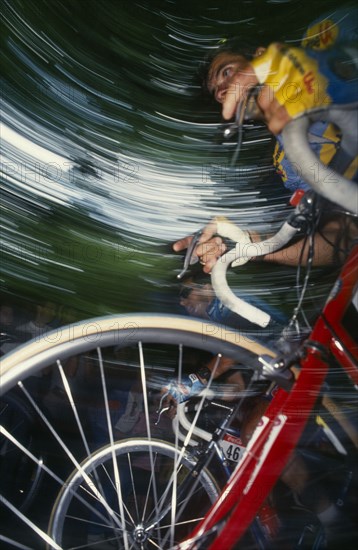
point(245, 252)
point(236, 234)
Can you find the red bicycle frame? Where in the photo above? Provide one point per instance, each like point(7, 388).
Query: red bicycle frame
point(280, 429)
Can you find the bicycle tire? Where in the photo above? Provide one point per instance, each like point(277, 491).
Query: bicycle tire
point(34, 355)
point(143, 333)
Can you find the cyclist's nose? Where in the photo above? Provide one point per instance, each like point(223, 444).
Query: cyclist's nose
point(220, 94)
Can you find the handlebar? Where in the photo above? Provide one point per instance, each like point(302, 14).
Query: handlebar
point(181, 420)
point(251, 250)
point(324, 180)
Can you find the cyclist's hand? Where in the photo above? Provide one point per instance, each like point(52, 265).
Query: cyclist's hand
point(275, 114)
point(178, 246)
point(212, 247)
point(209, 249)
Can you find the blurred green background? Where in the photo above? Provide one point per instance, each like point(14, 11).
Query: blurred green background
point(110, 152)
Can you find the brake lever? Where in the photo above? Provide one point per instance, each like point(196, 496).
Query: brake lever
point(188, 260)
point(247, 109)
point(163, 397)
point(160, 410)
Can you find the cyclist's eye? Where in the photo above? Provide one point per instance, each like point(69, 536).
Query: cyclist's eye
point(227, 72)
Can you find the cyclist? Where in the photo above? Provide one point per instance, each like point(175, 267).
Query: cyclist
point(317, 78)
point(236, 68)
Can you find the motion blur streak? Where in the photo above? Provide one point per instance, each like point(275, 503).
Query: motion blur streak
point(110, 152)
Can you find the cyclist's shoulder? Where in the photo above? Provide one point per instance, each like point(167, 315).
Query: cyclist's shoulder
point(332, 28)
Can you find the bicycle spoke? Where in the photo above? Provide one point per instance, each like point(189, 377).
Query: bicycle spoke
point(114, 460)
point(134, 492)
point(76, 415)
point(14, 543)
point(60, 481)
point(72, 403)
point(70, 455)
point(147, 420)
point(175, 470)
point(30, 524)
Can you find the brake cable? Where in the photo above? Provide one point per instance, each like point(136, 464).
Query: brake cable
point(313, 218)
point(247, 108)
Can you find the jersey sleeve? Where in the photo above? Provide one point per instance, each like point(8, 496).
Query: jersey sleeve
point(304, 80)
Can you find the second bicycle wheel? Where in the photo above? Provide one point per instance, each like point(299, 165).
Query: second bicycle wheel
point(94, 385)
point(133, 494)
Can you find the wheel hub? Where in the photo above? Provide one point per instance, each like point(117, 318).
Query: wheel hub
point(140, 535)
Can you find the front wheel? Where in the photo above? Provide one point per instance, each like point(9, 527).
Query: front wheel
point(93, 384)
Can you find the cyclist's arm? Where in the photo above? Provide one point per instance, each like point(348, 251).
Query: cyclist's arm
point(298, 252)
point(330, 245)
point(216, 368)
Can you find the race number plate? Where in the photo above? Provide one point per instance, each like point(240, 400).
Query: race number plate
point(232, 447)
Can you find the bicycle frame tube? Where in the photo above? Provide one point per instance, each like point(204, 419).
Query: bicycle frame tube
point(338, 340)
point(280, 428)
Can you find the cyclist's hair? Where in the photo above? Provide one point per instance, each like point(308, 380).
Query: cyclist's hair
point(192, 282)
point(232, 45)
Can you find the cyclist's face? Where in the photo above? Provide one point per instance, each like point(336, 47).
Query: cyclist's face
point(223, 69)
point(196, 302)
